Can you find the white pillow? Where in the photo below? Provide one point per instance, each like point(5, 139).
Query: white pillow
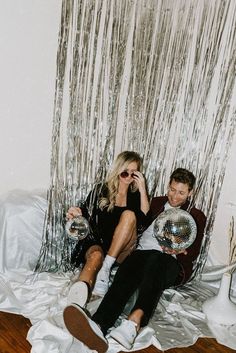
point(21, 228)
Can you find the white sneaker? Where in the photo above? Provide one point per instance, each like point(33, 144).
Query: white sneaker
point(78, 294)
point(125, 334)
point(84, 329)
point(102, 281)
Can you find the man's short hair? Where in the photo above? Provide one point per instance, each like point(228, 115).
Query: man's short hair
point(184, 176)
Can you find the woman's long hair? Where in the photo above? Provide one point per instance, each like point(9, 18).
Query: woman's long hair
point(112, 180)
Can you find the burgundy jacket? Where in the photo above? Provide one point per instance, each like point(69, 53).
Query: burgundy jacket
point(186, 261)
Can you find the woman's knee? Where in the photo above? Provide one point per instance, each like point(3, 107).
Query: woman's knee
point(95, 253)
point(129, 217)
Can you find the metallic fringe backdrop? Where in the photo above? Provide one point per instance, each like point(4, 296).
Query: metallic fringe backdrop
point(153, 76)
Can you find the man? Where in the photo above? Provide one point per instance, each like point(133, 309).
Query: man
point(150, 269)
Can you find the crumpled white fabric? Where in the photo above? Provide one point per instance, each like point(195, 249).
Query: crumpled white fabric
point(177, 322)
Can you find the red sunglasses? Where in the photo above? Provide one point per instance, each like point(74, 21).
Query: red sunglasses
point(125, 174)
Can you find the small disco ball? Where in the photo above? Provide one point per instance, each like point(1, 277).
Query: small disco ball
point(175, 229)
point(77, 228)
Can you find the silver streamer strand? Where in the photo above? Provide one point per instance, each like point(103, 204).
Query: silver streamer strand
point(232, 245)
point(153, 76)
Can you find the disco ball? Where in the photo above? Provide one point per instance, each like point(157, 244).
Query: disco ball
point(77, 228)
point(175, 229)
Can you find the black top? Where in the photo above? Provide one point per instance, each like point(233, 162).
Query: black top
point(104, 222)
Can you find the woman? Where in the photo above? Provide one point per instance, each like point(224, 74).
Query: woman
point(116, 212)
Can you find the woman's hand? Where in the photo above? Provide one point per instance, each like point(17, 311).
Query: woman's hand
point(73, 212)
point(139, 180)
point(141, 184)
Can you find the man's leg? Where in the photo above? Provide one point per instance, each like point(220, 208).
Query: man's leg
point(86, 330)
point(126, 281)
point(161, 271)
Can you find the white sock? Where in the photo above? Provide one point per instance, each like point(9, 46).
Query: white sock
point(105, 269)
point(108, 261)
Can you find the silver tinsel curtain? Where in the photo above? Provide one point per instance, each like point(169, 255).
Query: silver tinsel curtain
point(154, 76)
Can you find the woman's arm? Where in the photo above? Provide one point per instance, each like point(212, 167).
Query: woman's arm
point(144, 200)
point(88, 207)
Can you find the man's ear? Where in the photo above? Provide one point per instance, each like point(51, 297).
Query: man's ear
point(191, 193)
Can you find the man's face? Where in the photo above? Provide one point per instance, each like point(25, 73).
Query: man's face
point(178, 193)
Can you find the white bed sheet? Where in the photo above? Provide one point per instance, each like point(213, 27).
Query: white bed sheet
point(177, 322)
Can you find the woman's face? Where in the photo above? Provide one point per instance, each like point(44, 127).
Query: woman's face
point(126, 174)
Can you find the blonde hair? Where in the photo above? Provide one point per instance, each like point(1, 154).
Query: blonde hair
point(112, 180)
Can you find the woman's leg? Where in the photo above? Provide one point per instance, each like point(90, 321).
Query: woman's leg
point(93, 263)
point(122, 244)
point(125, 236)
point(80, 291)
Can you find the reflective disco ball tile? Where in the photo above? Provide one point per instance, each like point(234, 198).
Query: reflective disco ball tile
point(77, 228)
point(175, 229)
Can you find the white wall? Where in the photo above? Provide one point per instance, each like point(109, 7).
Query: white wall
point(28, 46)
point(218, 252)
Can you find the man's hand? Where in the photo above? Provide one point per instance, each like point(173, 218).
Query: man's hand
point(73, 212)
point(173, 251)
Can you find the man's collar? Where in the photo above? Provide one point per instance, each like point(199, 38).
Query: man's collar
point(183, 207)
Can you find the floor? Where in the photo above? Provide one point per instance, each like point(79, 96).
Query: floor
point(14, 328)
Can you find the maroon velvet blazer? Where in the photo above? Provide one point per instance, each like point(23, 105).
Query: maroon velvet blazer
point(186, 261)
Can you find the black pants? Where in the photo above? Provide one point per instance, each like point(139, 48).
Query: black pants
point(149, 271)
